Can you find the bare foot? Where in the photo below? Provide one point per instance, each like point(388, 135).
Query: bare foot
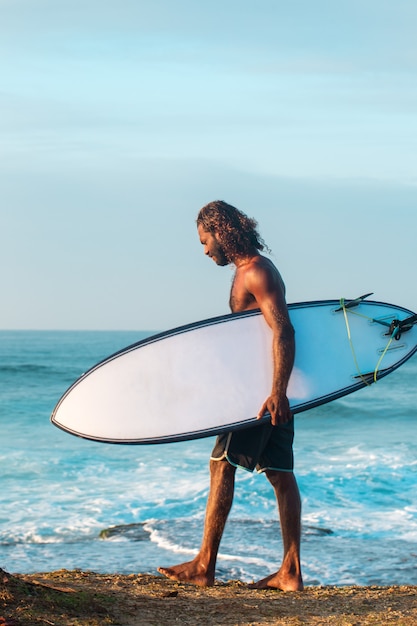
point(191, 572)
point(283, 582)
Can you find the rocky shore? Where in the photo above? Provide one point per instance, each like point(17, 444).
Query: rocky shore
point(77, 598)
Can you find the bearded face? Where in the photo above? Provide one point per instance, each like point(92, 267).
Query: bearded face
point(212, 246)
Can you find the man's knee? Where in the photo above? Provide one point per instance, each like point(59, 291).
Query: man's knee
point(222, 467)
point(280, 480)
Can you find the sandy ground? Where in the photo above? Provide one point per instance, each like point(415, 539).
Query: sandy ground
point(76, 598)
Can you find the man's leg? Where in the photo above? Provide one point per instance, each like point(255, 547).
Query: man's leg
point(200, 570)
point(288, 577)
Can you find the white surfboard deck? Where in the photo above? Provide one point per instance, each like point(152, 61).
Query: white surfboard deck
point(214, 375)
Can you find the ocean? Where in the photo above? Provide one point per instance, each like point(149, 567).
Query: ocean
point(70, 503)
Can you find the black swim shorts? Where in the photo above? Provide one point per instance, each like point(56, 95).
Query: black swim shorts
point(262, 446)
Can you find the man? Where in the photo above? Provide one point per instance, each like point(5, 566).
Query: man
point(231, 237)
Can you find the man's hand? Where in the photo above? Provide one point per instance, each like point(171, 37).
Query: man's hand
point(278, 407)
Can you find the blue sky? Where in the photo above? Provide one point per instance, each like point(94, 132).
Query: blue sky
point(119, 119)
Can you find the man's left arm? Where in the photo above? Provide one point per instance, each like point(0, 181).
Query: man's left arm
point(270, 297)
point(283, 351)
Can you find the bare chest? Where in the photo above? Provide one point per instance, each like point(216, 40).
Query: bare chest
point(240, 298)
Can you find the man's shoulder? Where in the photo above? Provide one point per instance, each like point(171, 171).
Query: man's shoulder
point(262, 271)
point(262, 263)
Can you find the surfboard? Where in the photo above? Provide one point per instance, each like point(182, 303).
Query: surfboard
point(213, 375)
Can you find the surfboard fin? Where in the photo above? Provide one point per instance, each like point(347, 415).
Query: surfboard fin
point(397, 327)
point(349, 304)
point(370, 377)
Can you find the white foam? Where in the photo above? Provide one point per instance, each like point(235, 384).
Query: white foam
point(163, 542)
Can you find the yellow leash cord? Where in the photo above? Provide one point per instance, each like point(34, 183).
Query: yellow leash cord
point(344, 309)
point(384, 353)
point(345, 314)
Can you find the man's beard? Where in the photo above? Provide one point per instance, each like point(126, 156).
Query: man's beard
point(219, 256)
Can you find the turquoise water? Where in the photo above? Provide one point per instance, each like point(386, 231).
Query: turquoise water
point(356, 464)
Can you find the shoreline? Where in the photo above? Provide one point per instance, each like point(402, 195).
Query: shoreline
point(85, 598)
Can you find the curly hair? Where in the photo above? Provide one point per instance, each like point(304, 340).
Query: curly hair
point(237, 233)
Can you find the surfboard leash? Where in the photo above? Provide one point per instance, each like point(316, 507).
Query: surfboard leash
point(394, 332)
point(344, 308)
